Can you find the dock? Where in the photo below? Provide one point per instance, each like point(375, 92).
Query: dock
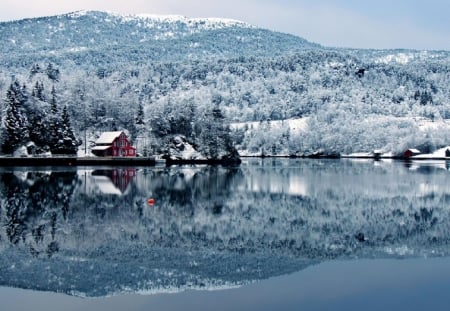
point(79, 161)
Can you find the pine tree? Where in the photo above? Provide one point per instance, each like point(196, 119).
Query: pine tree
point(39, 130)
point(38, 91)
point(140, 115)
point(15, 132)
point(70, 144)
point(52, 72)
point(53, 105)
point(63, 137)
point(215, 136)
point(55, 125)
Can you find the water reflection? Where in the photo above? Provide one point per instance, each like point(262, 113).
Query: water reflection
point(111, 181)
point(93, 233)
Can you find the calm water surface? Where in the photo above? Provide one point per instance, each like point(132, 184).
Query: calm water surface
point(269, 234)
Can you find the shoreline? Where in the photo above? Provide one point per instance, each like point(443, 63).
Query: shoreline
point(109, 161)
point(152, 161)
point(376, 158)
point(76, 161)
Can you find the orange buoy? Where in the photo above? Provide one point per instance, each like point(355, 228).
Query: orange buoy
point(151, 201)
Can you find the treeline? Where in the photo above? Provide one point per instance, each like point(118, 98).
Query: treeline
point(332, 88)
point(30, 121)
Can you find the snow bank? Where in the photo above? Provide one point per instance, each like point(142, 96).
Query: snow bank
point(180, 149)
point(438, 154)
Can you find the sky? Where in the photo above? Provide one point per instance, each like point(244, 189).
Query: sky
point(380, 24)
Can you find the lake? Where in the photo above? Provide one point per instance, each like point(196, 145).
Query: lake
point(270, 234)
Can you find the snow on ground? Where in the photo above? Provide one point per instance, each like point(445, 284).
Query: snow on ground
point(427, 124)
point(400, 58)
point(301, 124)
point(295, 125)
point(190, 153)
point(438, 154)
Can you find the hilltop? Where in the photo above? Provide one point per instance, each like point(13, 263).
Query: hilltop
point(100, 39)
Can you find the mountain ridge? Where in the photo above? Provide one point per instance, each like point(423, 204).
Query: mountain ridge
point(150, 35)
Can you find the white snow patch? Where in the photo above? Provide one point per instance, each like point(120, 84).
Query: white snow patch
point(77, 49)
point(295, 125)
point(183, 150)
point(21, 152)
point(438, 154)
point(400, 58)
point(208, 23)
point(189, 152)
point(78, 13)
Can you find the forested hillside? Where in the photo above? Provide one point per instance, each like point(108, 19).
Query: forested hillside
point(157, 77)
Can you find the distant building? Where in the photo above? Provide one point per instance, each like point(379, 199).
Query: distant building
point(411, 152)
point(377, 154)
point(113, 144)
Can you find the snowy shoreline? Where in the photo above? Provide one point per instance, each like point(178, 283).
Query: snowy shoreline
point(75, 161)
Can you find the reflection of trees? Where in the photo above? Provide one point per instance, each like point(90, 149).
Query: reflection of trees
point(33, 206)
point(183, 192)
point(216, 223)
point(218, 208)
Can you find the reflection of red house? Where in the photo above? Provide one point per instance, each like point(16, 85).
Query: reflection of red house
point(113, 144)
point(114, 181)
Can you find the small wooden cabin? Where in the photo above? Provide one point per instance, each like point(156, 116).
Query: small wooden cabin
point(411, 152)
point(113, 144)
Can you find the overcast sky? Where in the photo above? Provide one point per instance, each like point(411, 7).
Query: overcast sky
point(418, 24)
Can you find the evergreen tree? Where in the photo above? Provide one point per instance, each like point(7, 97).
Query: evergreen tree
point(69, 142)
point(39, 129)
point(140, 115)
point(35, 69)
point(15, 122)
point(215, 136)
point(52, 72)
point(38, 91)
point(55, 131)
point(63, 140)
point(53, 105)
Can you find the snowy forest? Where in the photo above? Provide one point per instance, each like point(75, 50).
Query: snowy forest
point(66, 79)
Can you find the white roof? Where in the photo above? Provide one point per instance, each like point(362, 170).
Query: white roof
point(100, 147)
point(107, 137)
point(414, 150)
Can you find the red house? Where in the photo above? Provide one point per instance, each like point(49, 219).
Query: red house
point(113, 144)
point(410, 153)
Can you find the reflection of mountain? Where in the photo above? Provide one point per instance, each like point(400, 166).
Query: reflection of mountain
point(210, 227)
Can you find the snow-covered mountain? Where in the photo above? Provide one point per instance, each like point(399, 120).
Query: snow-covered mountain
point(108, 68)
point(96, 38)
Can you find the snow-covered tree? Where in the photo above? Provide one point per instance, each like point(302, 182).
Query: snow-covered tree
point(215, 136)
point(140, 115)
point(38, 91)
point(67, 142)
point(55, 130)
point(15, 122)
